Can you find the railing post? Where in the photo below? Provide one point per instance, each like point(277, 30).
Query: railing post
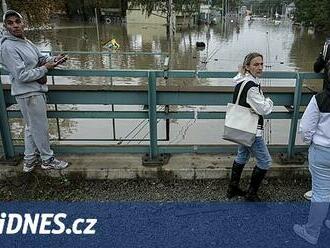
point(56, 109)
point(112, 106)
point(153, 158)
point(7, 141)
point(294, 120)
point(152, 102)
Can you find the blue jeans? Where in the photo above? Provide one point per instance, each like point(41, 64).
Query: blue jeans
point(259, 150)
point(319, 167)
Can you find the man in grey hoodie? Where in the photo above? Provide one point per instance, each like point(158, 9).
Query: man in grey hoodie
point(27, 69)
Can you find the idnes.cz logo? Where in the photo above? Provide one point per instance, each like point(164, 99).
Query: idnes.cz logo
point(44, 223)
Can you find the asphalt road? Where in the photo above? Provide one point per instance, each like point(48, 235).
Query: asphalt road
point(158, 212)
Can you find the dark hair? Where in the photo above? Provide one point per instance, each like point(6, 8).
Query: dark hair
point(247, 61)
point(327, 75)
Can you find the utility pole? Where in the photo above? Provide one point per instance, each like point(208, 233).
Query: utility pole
point(97, 28)
point(170, 20)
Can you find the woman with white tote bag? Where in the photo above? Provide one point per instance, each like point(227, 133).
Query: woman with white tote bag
point(252, 97)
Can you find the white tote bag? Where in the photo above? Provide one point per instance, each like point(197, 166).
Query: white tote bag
point(240, 122)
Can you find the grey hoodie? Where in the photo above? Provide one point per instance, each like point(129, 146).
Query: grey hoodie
point(20, 57)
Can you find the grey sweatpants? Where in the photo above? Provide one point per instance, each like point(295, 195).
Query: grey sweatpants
point(36, 136)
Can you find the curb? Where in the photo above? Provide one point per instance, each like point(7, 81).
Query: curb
point(127, 166)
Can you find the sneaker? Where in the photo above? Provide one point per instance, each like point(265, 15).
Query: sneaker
point(327, 223)
point(300, 230)
point(54, 163)
point(308, 195)
point(29, 165)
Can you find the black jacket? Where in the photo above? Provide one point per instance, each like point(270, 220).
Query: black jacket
point(321, 64)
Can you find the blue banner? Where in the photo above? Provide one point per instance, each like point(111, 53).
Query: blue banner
point(153, 224)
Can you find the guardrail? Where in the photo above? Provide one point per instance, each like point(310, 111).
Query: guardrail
point(152, 95)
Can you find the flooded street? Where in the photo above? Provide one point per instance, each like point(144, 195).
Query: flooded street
point(285, 48)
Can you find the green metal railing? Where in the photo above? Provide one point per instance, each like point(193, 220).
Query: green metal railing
point(152, 95)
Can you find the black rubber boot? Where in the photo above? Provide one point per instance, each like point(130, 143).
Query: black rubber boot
point(256, 179)
point(233, 188)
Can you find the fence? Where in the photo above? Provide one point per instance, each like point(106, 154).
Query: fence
point(293, 98)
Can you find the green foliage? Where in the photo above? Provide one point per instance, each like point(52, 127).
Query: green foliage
point(37, 12)
point(86, 8)
point(313, 13)
point(82, 8)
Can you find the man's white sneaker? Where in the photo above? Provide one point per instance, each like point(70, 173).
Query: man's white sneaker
point(29, 165)
point(308, 195)
point(54, 163)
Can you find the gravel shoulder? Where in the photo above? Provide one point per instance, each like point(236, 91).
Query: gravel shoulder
point(33, 187)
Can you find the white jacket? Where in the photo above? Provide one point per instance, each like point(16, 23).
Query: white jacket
point(315, 126)
point(255, 98)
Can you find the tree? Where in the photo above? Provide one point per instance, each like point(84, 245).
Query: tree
point(148, 6)
point(86, 8)
point(313, 13)
point(38, 12)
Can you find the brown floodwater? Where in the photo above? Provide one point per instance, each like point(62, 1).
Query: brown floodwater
point(285, 48)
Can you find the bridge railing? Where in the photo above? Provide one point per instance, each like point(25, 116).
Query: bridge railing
point(293, 98)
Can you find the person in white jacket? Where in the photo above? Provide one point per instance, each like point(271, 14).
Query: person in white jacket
point(27, 69)
point(315, 131)
point(251, 97)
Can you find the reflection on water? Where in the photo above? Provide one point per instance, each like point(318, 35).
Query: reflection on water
point(285, 48)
